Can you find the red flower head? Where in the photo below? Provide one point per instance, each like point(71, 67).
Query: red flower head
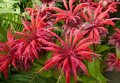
point(7, 55)
point(71, 16)
point(96, 18)
point(115, 38)
point(113, 62)
point(70, 54)
point(32, 38)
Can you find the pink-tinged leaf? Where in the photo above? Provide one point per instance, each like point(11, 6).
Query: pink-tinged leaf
point(66, 38)
point(25, 24)
point(77, 37)
point(20, 33)
point(107, 22)
point(14, 63)
point(103, 29)
point(4, 67)
point(83, 67)
point(84, 16)
point(96, 35)
point(71, 4)
point(67, 76)
point(85, 45)
point(97, 11)
point(87, 53)
point(66, 70)
point(74, 68)
point(54, 9)
point(103, 14)
point(53, 61)
point(10, 37)
point(58, 19)
point(32, 20)
point(79, 7)
point(35, 53)
point(65, 4)
point(47, 43)
point(71, 36)
point(27, 50)
point(90, 14)
point(85, 40)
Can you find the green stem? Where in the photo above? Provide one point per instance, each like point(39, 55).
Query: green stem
point(60, 76)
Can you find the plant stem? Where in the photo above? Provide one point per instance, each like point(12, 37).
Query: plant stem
point(60, 76)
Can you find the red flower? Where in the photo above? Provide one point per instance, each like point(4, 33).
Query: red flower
point(32, 38)
point(115, 38)
point(7, 55)
point(113, 62)
point(71, 16)
point(70, 54)
point(22, 48)
point(96, 18)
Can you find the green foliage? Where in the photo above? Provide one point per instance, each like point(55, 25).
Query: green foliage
point(102, 48)
point(30, 76)
point(95, 73)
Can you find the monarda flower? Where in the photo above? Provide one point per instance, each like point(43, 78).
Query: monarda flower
point(31, 39)
point(96, 19)
point(7, 56)
point(113, 62)
point(115, 38)
point(70, 54)
point(71, 15)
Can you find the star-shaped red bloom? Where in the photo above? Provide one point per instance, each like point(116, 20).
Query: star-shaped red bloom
point(70, 54)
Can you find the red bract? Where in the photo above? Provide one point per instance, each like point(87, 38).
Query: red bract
point(70, 54)
point(115, 38)
point(96, 19)
point(113, 62)
point(49, 19)
point(71, 16)
point(7, 55)
point(86, 0)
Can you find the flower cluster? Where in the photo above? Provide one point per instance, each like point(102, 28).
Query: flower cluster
point(22, 48)
point(113, 62)
point(115, 38)
point(83, 25)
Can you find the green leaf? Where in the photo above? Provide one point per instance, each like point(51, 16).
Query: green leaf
point(38, 2)
point(118, 52)
point(101, 48)
point(85, 79)
point(94, 71)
